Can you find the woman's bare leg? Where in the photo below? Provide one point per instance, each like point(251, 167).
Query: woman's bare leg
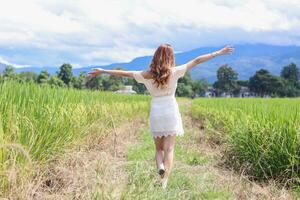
point(159, 154)
point(168, 147)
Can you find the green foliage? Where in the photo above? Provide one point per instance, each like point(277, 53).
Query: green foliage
point(291, 74)
point(9, 73)
point(112, 83)
point(184, 90)
point(187, 87)
point(27, 76)
point(244, 83)
point(94, 83)
point(138, 87)
point(289, 91)
point(287, 85)
point(106, 82)
point(80, 81)
point(227, 80)
point(264, 83)
point(65, 73)
point(43, 77)
point(56, 82)
point(199, 87)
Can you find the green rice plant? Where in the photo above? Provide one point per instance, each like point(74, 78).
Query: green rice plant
point(37, 122)
point(260, 136)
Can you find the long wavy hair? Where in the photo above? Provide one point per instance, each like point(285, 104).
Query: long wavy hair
point(161, 64)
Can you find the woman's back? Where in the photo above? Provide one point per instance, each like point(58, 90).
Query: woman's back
point(176, 73)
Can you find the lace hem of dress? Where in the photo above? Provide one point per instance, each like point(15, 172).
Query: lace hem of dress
point(160, 134)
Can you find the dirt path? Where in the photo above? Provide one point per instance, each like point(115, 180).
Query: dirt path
point(197, 173)
point(95, 170)
point(121, 165)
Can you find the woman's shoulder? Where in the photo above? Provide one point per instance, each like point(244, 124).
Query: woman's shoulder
point(180, 67)
point(146, 74)
point(180, 70)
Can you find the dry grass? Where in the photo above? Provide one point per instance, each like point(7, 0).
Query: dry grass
point(95, 167)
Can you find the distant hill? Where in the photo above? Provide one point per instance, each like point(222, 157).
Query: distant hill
point(50, 70)
point(246, 59)
point(2, 67)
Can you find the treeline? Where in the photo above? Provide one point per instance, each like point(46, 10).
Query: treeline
point(64, 78)
point(262, 83)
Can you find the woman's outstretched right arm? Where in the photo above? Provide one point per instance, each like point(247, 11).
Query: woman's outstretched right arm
point(115, 72)
point(200, 59)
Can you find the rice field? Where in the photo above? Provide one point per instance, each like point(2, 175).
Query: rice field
point(260, 136)
point(37, 122)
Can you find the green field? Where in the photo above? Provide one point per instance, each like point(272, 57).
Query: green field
point(260, 136)
point(38, 122)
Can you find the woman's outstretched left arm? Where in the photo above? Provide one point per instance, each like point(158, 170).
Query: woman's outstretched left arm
point(202, 58)
point(115, 72)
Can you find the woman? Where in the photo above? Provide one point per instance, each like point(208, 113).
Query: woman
point(161, 82)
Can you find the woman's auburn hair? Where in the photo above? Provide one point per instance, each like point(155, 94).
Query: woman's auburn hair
point(161, 64)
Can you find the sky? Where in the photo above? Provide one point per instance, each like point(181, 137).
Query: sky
point(96, 32)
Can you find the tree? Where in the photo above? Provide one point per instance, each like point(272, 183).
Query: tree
point(113, 82)
point(277, 85)
point(289, 91)
point(186, 79)
point(227, 80)
point(291, 74)
point(43, 77)
point(259, 82)
point(199, 87)
point(56, 82)
point(9, 73)
point(65, 73)
point(184, 90)
point(79, 82)
point(263, 83)
point(95, 83)
point(138, 87)
point(27, 76)
point(184, 86)
point(244, 83)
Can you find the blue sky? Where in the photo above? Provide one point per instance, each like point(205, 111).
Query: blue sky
point(96, 32)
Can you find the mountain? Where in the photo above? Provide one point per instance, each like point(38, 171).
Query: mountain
point(246, 60)
point(50, 70)
point(2, 67)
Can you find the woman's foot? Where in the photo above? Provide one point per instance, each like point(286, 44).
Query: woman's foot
point(161, 170)
point(164, 182)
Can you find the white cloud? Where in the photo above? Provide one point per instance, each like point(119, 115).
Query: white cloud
point(100, 32)
point(4, 61)
point(119, 53)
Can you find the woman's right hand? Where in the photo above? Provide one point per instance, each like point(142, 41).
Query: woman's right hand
point(96, 72)
point(226, 50)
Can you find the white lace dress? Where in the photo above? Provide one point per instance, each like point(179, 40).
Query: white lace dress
point(165, 118)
